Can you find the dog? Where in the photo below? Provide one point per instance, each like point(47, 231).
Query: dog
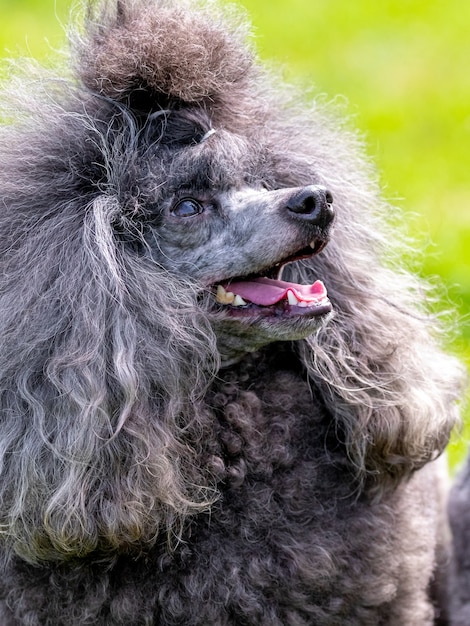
point(222, 398)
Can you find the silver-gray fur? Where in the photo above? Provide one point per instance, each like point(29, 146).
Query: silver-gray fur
point(168, 460)
point(459, 578)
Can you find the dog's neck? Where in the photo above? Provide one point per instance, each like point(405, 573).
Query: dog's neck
point(279, 354)
point(232, 354)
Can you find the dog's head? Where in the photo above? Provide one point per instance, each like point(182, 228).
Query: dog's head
point(216, 202)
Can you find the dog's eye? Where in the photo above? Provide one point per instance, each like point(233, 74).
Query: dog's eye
point(186, 208)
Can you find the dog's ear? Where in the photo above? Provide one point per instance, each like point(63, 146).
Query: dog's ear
point(104, 361)
point(391, 391)
point(150, 55)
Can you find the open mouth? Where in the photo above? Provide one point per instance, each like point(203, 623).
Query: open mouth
point(267, 295)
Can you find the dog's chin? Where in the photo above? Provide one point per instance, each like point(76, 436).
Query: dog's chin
point(243, 330)
point(252, 311)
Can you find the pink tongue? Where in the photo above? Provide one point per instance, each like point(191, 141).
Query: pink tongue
point(266, 291)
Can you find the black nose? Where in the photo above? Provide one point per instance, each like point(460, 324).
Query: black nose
point(313, 204)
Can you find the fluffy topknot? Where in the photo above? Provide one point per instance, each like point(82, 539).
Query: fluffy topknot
point(189, 53)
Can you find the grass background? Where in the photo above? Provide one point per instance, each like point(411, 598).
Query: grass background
point(401, 67)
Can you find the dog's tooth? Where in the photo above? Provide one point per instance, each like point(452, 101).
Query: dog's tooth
point(224, 297)
point(292, 299)
point(313, 244)
point(238, 301)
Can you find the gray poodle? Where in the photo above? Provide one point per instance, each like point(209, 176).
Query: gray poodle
point(186, 437)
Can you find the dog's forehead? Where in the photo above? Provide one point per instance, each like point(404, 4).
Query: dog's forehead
point(221, 160)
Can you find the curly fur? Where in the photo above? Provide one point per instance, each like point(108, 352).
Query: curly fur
point(162, 463)
point(459, 578)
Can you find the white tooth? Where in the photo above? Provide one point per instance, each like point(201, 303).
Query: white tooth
point(303, 304)
point(224, 297)
point(238, 301)
point(313, 244)
point(292, 299)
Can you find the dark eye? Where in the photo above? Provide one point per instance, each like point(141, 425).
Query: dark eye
point(186, 208)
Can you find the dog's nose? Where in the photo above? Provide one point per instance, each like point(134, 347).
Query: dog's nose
point(313, 204)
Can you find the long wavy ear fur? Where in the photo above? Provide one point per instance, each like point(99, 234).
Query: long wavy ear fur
point(104, 360)
point(104, 357)
point(393, 393)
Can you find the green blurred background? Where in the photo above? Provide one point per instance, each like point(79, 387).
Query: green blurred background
point(402, 70)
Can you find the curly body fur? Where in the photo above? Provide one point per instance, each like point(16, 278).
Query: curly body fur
point(163, 462)
point(459, 577)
